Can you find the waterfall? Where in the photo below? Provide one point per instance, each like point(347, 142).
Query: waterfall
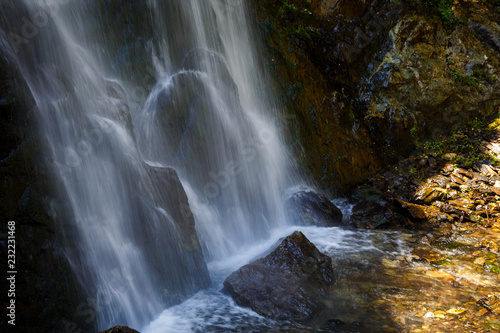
point(210, 108)
point(123, 88)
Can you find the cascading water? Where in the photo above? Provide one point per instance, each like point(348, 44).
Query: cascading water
point(215, 121)
point(206, 114)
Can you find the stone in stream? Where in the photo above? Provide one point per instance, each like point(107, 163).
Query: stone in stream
point(168, 193)
point(338, 326)
point(119, 329)
point(309, 208)
point(491, 303)
point(372, 215)
point(291, 283)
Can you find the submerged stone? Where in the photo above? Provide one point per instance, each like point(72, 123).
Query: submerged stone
point(291, 283)
point(336, 325)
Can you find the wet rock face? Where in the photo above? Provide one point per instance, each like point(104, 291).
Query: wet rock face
point(169, 194)
point(366, 79)
point(429, 80)
point(313, 81)
point(309, 208)
point(47, 293)
point(185, 252)
point(291, 283)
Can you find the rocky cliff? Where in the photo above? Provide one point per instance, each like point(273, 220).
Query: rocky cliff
point(366, 80)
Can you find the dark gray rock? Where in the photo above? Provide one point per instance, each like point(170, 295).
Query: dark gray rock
point(291, 283)
point(373, 215)
point(184, 249)
point(120, 329)
point(308, 208)
point(168, 193)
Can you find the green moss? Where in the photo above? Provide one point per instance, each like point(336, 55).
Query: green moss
point(490, 257)
point(414, 133)
point(492, 268)
point(435, 147)
point(444, 262)
point(476, 123)
point(480, 73)
point(462, 144)
point(453, 245)
point(290, 12)
point(464, 79)
point(494, 326)
point(442, 8)
point(294, 19)
point(350, 115)
point(302, 31)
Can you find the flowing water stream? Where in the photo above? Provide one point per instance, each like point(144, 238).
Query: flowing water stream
point(352, 251)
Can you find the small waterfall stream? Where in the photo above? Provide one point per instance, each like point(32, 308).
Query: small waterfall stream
point(122, 88)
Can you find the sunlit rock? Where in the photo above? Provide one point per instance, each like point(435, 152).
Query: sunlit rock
point(491, 303)
point(428, 194)
point(421, 213)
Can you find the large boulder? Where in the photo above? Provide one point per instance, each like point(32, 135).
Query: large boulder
point(291, 283)
point(307, 207)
